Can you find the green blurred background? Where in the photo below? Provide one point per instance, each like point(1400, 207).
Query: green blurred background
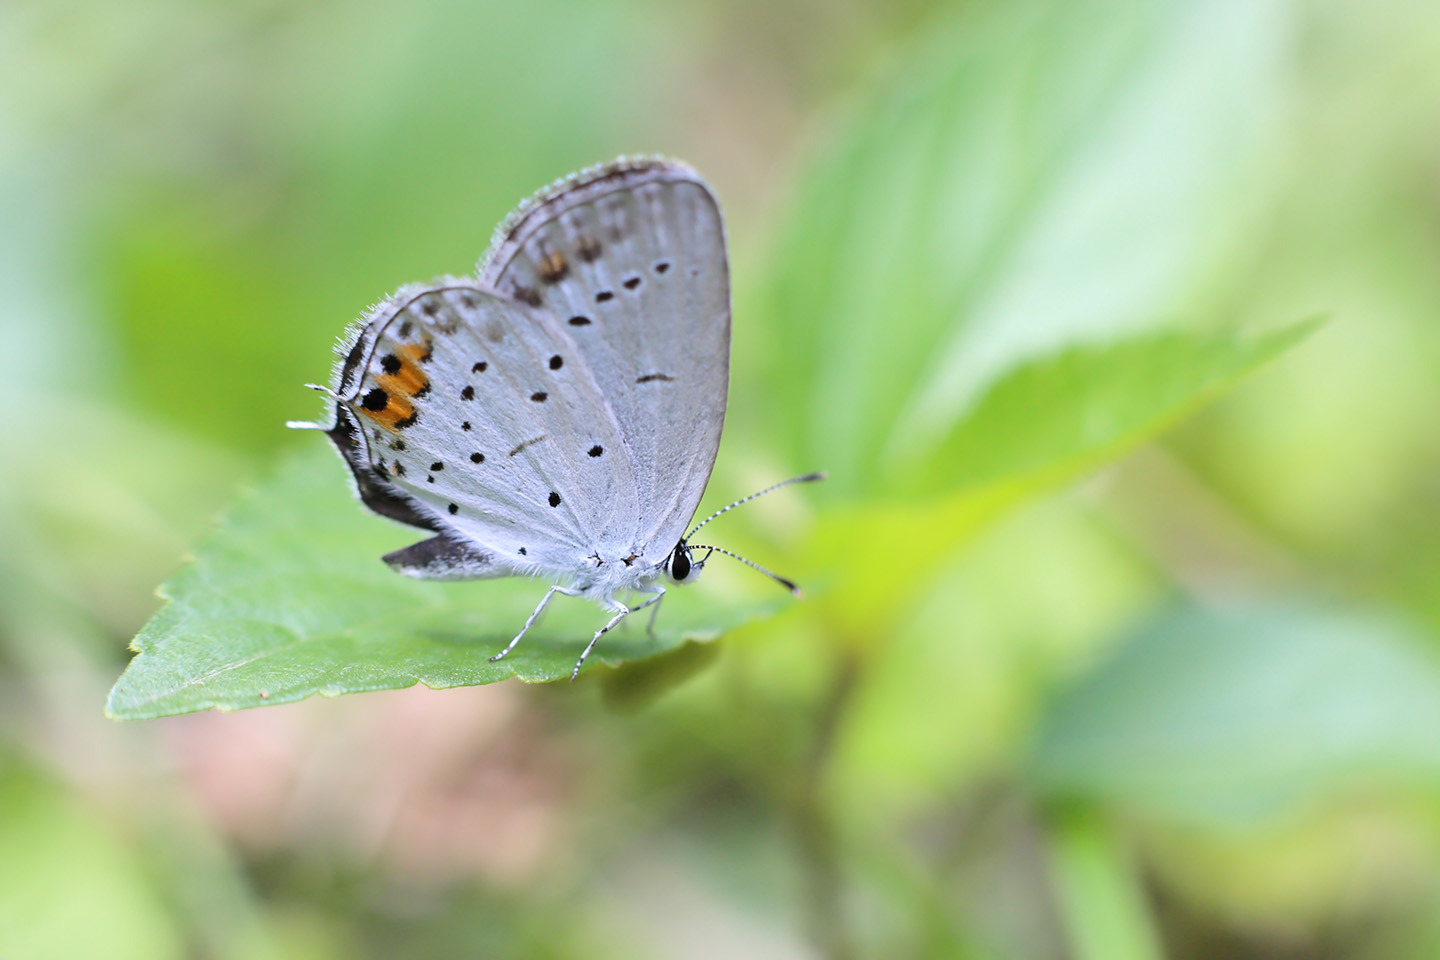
point(1188, 707)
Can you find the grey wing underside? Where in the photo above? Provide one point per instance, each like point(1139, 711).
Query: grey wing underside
point(620, 273)
point(476, 417)
point(631, 257)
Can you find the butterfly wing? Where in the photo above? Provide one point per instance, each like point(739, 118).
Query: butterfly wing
point(630, 259)
point(477, 417)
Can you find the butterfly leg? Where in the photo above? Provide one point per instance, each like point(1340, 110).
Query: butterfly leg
point(538, 610)
point(621, 612)
point(654, 604)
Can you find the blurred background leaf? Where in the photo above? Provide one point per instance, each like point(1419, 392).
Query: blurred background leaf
point(1032, 175)
point(1238, 714)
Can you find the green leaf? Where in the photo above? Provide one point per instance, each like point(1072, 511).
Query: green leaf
point(1029, 177)
point(1217, 716)
point(289, 598)
point(1045, 424)
point(1058, 415)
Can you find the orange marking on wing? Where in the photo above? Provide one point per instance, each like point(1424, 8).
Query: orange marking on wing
point(409, 380)
point(396, 410)
point(405, 382)
point(554, 268)
point(415, 352)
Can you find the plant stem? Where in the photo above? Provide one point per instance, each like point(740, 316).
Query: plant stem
point(824, 906)
point(1102, 902)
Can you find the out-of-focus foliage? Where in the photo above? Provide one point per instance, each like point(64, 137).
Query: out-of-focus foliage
point(1184, 709)
point(1240, 714)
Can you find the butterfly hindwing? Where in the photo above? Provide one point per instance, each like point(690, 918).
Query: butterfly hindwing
point(480, 417)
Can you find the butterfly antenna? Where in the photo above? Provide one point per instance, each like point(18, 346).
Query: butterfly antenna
point(306, 424)
point(784, 582)
point(321, 388)
point(808, 478)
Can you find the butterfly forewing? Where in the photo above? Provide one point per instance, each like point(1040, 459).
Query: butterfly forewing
point(630, 262)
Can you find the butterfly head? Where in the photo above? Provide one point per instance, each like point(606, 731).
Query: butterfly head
point(681, 566)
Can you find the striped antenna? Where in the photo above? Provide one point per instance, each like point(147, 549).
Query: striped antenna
point(808, 478)
point(783, 581)
point(306, 424)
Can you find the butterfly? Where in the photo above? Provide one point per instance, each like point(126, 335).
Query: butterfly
point(558, 414)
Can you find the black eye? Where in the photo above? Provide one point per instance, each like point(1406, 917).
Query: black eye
point(680, 564)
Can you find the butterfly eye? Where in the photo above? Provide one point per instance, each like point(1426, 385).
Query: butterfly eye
point(680, 564)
